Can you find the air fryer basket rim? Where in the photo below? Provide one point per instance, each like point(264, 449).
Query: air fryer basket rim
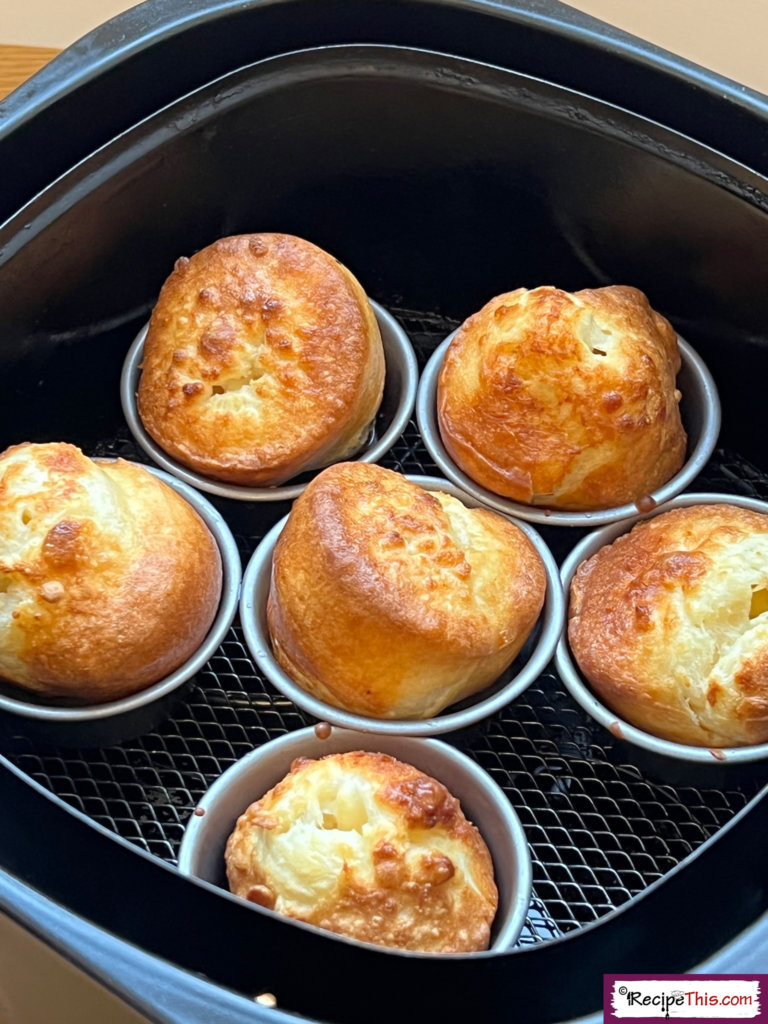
point(152, 26)
point(652, 135)
point(102, 906)
point(116, 68)
point(138, 977)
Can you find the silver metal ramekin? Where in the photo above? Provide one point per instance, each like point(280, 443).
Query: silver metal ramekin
point(484, 803)
point(400, 383)
point(530, 663)
point(699, 410)
point(580, 690)
point(130, 710)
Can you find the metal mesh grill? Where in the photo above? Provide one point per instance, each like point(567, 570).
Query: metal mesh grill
point(599, 828)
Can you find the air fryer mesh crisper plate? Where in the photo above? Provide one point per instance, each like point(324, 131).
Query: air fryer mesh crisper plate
point(600, 831)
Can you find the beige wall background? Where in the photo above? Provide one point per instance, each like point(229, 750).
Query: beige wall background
point(725, 35)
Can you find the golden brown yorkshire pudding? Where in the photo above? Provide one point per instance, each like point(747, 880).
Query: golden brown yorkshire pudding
point(263, 358)
point(390, 601)
point(565, 400)
point(669, 624)
point(369, 847)
point(109, 580)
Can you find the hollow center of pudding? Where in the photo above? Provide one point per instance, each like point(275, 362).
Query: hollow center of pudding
point(342, 808)
point(759, 602)
point(599, 340)
point(233, 384)
point(250, 367)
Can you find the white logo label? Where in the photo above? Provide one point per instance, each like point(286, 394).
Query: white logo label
point(689, 997)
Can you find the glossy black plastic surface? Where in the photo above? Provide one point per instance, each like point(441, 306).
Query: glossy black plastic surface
point(140, 61)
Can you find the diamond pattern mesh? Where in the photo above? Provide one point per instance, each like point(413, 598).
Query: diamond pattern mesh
point(599, 828)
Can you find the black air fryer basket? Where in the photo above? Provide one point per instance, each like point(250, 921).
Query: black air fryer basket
point(446, 152)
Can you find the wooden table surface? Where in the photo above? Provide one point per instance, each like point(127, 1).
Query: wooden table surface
point(19, 62)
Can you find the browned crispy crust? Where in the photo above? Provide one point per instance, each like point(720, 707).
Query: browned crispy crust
point(667, 625)
point(409, 871)
point(564, 400)
point(109, 580)
point(263, 359)
point(393, 602)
